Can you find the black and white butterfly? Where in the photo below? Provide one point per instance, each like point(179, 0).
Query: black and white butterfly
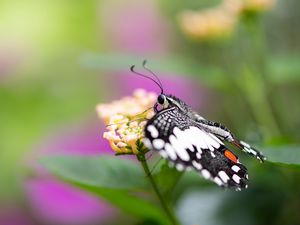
point(188, 141)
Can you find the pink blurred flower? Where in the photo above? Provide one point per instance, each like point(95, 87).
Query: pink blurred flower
point(13, 216)
point(77, 139)
point(59, 203)
point(134, 26)
point(56, 202)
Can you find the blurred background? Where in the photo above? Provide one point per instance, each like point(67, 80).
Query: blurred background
point(235, 61)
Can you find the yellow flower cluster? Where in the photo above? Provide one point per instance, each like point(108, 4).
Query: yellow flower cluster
point(207, 24)
point(126, 119)
point(257, 5)
point(219, 21)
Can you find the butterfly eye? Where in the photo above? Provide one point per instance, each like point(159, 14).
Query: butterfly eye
point(161, 99)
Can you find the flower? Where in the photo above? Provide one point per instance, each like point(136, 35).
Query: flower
point(240, 6)
point(219, 21)
point(12, 215)
point(59, 203)
point(257, 5)
point(126, 119)
point(139, 29)
point(207, 24)
point(52, 201)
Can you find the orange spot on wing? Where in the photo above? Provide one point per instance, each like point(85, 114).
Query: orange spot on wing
point(228, 154)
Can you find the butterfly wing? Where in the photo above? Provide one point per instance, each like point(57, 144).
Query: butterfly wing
point(223, 133)
point(245, 147)
point(182, 141)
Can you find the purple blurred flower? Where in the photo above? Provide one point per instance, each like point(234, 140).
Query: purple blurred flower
point(77, 139)
point(13, 216)
point(135, 26)
point(57, 202)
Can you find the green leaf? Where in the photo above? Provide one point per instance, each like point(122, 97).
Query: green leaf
point(286, 156)
point(130, 203)
point(110, 178)
point(167, 178)
point(104, 172)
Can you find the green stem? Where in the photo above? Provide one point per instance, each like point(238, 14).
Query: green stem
point(169, 212)
point(254, 91)
point(253, 76)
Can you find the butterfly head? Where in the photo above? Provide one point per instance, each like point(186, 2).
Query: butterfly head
point(168, 101)
point(163, 101)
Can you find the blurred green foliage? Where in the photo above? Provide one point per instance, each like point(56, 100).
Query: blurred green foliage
point(48, 88)
point(255, 75)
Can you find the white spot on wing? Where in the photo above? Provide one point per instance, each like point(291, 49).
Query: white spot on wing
point(153, 131)
point(245, 144)
point(197, 165)
point(170, 151)
point(218, 181)
point(211, 141)
point(216, 139)
point(183, 137)
point(202, 139)
point(235, 168)
point(205, 173)
point(223, 176)
point(179, 167)
point(158, 143)
point(252, 151)
point(147, 143)
point(163, 154)
point(180, 150)
point(195, 136)
point(236, 178)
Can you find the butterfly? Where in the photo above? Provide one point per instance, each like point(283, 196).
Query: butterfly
point(189, 141)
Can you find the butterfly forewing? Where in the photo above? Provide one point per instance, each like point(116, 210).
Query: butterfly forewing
point(181, 140)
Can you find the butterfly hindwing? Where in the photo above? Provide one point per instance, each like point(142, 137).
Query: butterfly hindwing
point(224, 134)
point(245, 147)
point(181, 140)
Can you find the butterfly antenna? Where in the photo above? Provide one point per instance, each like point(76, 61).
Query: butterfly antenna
point(150, 71)
point(142, 75)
